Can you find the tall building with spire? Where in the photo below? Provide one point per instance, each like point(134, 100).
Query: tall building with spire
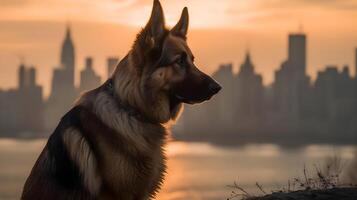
point(249, 94)
point(68, 57)
point(247, 68)
point(63, 91)
point(63, 76)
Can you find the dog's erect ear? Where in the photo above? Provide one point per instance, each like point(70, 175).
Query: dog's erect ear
point(156, 24)
point(181, 28)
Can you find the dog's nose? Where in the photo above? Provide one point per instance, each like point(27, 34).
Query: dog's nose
point(214, 87)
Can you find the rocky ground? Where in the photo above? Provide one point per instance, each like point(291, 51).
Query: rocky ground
point(328, 194)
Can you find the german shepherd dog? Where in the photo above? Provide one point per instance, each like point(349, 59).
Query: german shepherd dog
point(110, 144)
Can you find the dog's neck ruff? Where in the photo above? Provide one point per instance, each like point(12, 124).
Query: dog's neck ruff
point(130, 110)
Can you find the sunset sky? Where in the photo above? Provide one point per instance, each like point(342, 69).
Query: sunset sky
point(221, 31)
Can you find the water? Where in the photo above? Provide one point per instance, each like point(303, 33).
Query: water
point(195, 170)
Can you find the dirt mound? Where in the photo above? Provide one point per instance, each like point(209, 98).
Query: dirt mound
point(329, 194)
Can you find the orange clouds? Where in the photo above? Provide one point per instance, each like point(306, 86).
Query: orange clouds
point(205, 13)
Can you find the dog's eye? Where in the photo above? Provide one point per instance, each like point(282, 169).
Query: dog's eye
point(181, 60)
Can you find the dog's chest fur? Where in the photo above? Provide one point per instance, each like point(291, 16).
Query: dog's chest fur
point(128, 151)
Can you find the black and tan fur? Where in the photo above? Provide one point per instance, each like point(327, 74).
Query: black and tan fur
point(110, 144)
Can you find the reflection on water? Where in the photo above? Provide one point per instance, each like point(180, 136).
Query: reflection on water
point(195, 170)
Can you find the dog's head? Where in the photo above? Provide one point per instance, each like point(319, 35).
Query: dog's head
point(162, 67)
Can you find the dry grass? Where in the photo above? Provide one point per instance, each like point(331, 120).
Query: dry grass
point(322, 178)
point(352, 171)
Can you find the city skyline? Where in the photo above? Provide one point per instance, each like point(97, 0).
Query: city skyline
point(293, 111)
point(102, 69)
point(293, 98)
point(19, 104)
point(9, 81)
point(220, 31)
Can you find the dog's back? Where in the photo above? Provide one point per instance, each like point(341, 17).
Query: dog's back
point(55, 175)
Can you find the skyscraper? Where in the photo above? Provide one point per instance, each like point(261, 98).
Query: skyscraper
point(21, 76)
point(247, 67)
point(32, 76)
point(89, 79)
point(68, 57)
point(291, 85)
point(63, 77)
point(248, 94)
point(26, 77)
point(20, 115)
point(297, 52)
point(63, 91)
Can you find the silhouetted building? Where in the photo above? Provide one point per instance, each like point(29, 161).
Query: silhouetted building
point(63, 91)
point(22, 109)
point(297, 53)
point(10, 110)
point(68, 59)
point(21, 76)
point(89, 79)
point(224, 102)
point(249, 97)
point(292, 85)
point(31, 102)
point(111, 64)
point(334, 98)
